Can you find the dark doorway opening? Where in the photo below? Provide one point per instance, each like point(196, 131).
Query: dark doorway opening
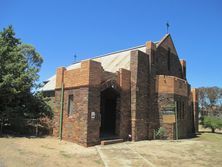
point(108, 113)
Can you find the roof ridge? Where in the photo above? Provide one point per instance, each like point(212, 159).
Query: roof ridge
point(111, 53)
point(123, 50)
point(163, 39)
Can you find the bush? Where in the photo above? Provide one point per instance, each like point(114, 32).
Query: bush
point(161, 133)
point(212, 122)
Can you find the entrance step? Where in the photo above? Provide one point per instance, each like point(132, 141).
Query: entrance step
point(112, 141)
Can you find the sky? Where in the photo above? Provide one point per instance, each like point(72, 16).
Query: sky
point(60, 29)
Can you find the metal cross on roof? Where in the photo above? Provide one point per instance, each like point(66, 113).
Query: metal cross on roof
point(167, 25)
point(75, 58)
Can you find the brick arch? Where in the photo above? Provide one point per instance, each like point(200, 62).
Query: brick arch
point(110, 84)
point(110, 90)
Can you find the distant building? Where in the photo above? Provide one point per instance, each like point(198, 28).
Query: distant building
point(129, 92)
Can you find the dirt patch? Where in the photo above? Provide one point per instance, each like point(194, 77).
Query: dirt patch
point(45, 152)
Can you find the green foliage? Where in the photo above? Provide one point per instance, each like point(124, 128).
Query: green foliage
point(161, 132)
point(212, 122)
point(19, 67)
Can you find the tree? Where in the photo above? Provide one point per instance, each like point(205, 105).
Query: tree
point(202, 99)
point(210, 100)
point(212, 122)
point(161, 133)
point(19, 67)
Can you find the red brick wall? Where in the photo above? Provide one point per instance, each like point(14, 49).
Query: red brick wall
point(171, 84)
point(170, 130)
point(139, 95)
point(125, 113)
point(88, 74)
point(161, 56)
point(83, 84)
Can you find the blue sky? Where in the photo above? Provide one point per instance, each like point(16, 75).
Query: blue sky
point(61, 28)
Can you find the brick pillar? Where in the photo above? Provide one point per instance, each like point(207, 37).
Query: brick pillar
point(125, 114)
point(94, 119)
point(195, 108)
point(139, 66)
point(59, 80)
point(183, 66)
point(150, 50)
point(84, 83)
point(153, 114)
point(60, 77)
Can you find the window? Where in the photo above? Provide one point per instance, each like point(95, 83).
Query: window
point(153, 58)
point(191, 111)
point(180, 113)
point(184, 72)
point(70, 105)
point(178, 110)
point(168, 59)
point(183, 110)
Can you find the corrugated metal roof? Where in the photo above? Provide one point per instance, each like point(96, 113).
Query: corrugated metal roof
point(111, 62)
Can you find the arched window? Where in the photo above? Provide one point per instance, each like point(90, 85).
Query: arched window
point(70, 105)
point(168, 59)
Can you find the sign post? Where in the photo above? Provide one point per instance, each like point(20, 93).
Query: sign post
point(171, 109)
point(176, 120)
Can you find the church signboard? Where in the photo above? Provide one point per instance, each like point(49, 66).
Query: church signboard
point(168, 113)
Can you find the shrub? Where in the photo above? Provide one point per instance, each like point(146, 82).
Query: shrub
point(161, 133)
point(212, 122)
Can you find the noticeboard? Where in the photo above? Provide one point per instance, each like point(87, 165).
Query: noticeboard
point(168, 109)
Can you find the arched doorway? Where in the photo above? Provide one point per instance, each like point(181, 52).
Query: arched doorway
point(108, 111)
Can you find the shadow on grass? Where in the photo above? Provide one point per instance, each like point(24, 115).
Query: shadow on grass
point(209, 136)
point(200, 132)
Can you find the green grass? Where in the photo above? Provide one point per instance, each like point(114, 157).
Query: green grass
point(211, 137)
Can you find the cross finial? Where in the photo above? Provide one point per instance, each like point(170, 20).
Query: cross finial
point(75, 58)
point(167, 25)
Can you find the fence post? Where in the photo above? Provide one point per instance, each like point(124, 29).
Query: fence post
point(176, 120)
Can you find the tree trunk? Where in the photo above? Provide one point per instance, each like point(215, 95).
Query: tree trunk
point(213, 130)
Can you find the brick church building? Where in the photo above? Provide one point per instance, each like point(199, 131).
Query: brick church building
point(131, 92)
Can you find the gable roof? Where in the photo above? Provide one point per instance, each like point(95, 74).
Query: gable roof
point(111, 62)
point(167, 42)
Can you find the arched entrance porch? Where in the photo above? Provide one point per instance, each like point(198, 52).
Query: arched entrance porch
point(109, 110)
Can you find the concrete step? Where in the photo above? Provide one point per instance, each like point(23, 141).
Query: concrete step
point(112, 141)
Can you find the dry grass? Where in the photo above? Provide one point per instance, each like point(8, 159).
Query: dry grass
point(45, 152)
point(204, 150)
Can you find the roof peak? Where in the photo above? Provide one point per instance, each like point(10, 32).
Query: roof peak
point(163, 39)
